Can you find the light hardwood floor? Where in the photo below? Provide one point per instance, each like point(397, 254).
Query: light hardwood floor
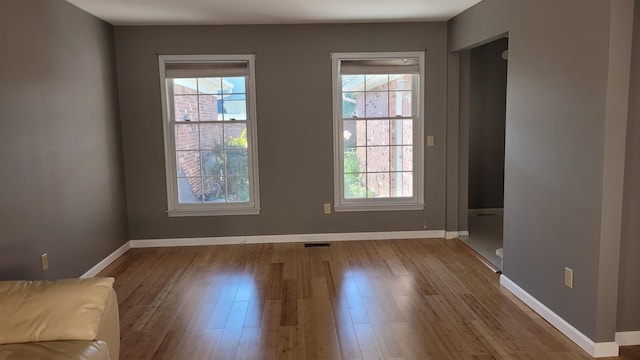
point(401, 299)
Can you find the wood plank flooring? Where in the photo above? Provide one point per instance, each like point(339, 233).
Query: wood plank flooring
point(360, 300)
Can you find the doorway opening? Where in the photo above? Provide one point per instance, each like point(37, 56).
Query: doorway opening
point(486, 129)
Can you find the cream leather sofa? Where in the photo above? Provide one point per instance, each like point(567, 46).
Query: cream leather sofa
point(62, 319)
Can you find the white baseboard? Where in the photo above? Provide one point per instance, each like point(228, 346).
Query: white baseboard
point(594, 349)
point(260, 239)
point(605, 349)
point(455, 234)
point(266, 239)
point(106, 261)
point(628, 338)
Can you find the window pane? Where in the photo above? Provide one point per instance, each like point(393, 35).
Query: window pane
point(213, 163)
point(237, 163)
point(401, 184)
point(188, 163)
point(189, 190)
point(213, 189)
point(353, 162)
point(377, 104)
point(361, 152)
point(377, 158)
point(187, 137)
point(400, 103)
point(352, 104)
point(354, 132)
point(184, 86)
point(209, 86)
point(378, 184)
point(235, 85)
point(395, 184)
point(185, 107)
point(407, 184)
point(401, 132)
point(407, 158)
point(235, 135)
point(237, 189)
point(377, 132)
point(352, 82)
point(395, 158)
point(377, 83)
point(234, 107)
point(354, 186)
point(401, 81)
point(208, 107)
point(407, 132)
point(211, 136)
point(401, 158)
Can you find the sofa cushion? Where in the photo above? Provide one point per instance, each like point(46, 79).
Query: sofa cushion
point(67, 309)
point(54, 350)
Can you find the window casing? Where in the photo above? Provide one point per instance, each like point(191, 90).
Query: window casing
point(378, 104)
point(209, 121)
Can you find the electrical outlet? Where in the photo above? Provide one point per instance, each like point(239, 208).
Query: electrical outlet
point(568, 278)
point(44, 262)
point(327, 208)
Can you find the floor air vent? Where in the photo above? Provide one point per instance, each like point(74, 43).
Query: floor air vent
point(317, 244)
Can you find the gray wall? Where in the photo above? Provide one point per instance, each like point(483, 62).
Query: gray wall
point(554, 153)
point(61, 178)
point(486, 21)
point(555, 184)
point(293, 76)
point(487, 112)
point(563, 188)
point(629, 291)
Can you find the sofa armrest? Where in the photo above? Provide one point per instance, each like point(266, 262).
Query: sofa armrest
point(56, 350)
point(69, 309)
point(109, 326)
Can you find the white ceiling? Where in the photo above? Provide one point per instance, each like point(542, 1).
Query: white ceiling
point(219, 12)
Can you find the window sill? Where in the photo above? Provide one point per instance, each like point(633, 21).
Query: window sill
point(210, 212)
point(403, 207)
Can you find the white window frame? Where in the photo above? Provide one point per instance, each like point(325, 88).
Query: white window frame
point(416, 202)
point(175, 208)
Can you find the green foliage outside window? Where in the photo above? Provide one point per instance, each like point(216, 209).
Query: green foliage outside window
point(227, 170)
point(354, 187)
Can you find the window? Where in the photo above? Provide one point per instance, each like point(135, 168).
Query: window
point(210, 134)
point(378, 131)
